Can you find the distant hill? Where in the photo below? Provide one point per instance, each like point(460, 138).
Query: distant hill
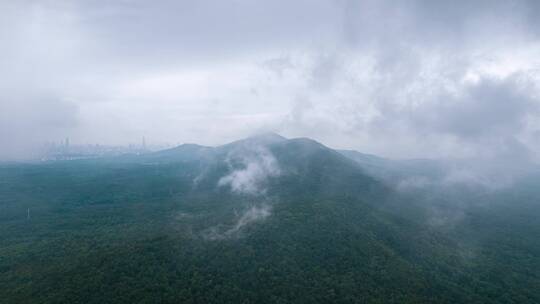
point(262, 220)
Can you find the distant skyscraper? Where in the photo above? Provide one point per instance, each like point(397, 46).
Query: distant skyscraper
point(67, 142)
point(144, 143)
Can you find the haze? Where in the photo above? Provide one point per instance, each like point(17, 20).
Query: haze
point(401, 79)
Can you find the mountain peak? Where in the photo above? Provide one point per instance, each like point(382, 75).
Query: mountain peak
point(268, 137)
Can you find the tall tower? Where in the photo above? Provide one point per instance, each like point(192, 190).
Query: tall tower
point(144, 143)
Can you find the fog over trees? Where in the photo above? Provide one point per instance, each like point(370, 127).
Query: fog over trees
point(332, 151)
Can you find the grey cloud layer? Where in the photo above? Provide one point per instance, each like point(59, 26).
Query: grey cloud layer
point(397, 78)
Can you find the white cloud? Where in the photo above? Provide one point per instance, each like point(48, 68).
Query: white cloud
point(256, 165)
point(249, 217)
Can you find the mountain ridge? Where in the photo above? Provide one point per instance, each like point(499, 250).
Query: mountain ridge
point(261, 220)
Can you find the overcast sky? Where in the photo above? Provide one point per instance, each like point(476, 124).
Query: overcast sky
point(395, 78)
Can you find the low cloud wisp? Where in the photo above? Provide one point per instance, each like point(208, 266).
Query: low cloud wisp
point(249, 217)
point(251, 169)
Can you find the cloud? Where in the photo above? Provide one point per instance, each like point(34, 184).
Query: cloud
point(408, 79)
point(487, 117)
point(485, 108)
point(251, 168)
point(248, 217)
point(414, 182)
point(255, 213)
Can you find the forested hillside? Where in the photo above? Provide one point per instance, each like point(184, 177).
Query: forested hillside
point(262, 220)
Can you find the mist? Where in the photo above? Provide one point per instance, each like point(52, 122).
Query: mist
point(250, 151)
point(250, 216)
point(251, 167)
point(412, 79)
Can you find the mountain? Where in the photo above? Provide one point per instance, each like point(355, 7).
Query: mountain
point(260, 220)
point(394, 170)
